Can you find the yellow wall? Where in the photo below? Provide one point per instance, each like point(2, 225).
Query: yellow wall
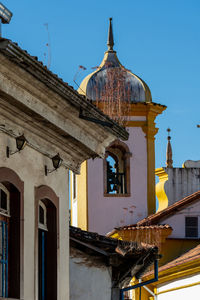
point(160, 189)
point(81, 197)
point(175, 247)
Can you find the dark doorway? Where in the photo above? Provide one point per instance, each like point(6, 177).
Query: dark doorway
point(47, 250)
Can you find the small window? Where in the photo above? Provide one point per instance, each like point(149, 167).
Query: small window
point(42, 224)
point(191, 227)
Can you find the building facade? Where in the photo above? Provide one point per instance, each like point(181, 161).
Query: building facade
point(42, 137)
point(120, 189)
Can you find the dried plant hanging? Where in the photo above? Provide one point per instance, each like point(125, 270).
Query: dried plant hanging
point(113, 94)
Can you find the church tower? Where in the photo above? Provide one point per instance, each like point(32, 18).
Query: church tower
point(120, 189)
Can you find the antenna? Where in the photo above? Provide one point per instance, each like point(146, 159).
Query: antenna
point(76, 75)
point(48, 46)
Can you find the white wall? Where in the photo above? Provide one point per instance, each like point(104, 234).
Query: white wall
point(74, 208)
point(177, 221)
point(89, 280)
point(182, 293)
point(181, 183)
point(29, 166)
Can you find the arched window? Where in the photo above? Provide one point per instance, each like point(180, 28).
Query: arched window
point(117, 170)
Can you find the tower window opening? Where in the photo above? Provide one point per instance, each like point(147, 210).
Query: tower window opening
point(116, 183)
point(117, 170)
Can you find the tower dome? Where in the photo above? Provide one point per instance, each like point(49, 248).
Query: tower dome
point(111, 79)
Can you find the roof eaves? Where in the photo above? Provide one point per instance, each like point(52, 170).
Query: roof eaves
point(41, 72)
point(170, 209)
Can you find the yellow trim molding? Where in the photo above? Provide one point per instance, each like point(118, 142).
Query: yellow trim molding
point(178, 288)
point(160, 189)
point(82, 196)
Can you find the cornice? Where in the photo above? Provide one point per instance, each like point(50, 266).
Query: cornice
point(31, 65)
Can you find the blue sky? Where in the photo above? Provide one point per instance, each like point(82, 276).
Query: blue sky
point(157, 40)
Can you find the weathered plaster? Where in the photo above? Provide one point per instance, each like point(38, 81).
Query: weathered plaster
point(175, 184)
point(89, 279)
point(177, 221)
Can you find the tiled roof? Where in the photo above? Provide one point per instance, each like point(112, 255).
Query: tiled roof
point(108, 243)
point(184, 258)
point(36, 68)
point(130, 258)
point(172, 209)
point(137, 227)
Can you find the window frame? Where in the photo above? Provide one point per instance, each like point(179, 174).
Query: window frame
point(117, 144)
point(41, 225)
point(188, 227)
point(5, 212)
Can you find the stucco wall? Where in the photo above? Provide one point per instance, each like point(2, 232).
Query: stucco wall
point(181, 182)
point(177, 221)
point(89, 280)
point(29, 166)
point(182, 288)
point(105, 213)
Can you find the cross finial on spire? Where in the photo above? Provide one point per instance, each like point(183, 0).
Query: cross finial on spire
point(169, 161)
point(110, 41)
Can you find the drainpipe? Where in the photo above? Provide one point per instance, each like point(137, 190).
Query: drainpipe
point(150, 292)
point(140, 284)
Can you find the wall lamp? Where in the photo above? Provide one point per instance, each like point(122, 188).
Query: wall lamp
point(56, 161)
point(20, 144)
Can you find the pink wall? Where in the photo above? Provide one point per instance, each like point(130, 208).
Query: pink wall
point(106, 213)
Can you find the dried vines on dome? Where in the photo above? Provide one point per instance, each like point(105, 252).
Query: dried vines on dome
point(113, 96)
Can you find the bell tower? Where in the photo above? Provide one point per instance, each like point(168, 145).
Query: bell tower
point(120, 189)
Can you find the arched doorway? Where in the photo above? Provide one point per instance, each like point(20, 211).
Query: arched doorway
point(9, 240)
point(47, 231)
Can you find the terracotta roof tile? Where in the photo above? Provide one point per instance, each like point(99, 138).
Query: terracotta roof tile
point(137, 227)
point(104, 241)
point(181, 204)
point(36, 68)
point(184, 258)
point(130, 258)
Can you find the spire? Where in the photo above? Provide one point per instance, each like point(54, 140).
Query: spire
point(110, 41)
point(169, 161)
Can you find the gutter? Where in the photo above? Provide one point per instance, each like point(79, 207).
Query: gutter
point(140, 284)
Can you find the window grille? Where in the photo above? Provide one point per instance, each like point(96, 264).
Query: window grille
point(191, 227)
point(4, 259)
